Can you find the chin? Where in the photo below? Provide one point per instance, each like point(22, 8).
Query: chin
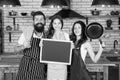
point(77, 34)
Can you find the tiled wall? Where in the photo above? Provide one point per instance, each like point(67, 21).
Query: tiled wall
point(83, 7)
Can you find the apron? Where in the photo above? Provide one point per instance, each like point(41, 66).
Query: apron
point(30, 67)
point(78, 69)
point(57, 71)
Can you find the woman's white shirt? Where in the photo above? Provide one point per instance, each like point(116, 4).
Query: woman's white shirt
point(59, 66)
point(66, 36)
point(58, 71)
point(83, 51)
point(63, 36)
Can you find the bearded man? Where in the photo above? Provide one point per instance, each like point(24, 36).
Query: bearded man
point(30, 67)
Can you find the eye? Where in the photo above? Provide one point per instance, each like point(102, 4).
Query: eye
point(54, 23)
point(36, 19)
point(75, 28)
point(41, 19)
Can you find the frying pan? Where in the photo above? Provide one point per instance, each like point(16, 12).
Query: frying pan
point(94, 30)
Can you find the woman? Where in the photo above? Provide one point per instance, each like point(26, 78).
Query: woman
point(82, 47)
point(57, 71)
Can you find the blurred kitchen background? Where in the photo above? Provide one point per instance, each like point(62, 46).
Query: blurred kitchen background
point(16, 19)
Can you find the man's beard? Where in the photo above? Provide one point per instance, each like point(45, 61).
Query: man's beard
point(39, 27)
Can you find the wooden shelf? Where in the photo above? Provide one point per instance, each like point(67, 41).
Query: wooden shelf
point(19, 16)
point(114, 31)
point(27, 16)
point(104, 16)
point(13, 31)
point(100, 16)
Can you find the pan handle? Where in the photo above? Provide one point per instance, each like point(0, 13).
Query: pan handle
point(9, 36)
point(100, 41)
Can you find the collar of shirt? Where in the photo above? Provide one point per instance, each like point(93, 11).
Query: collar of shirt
point(35, 36)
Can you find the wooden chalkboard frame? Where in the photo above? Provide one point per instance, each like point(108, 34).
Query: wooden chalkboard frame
point(53, 51)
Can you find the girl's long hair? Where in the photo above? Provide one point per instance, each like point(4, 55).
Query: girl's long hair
point(83, 34)
point(51, 30)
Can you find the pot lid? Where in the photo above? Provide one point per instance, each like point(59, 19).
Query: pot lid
point(10, 2)
point(105, 2)
point(68, 13)
point(60, 3)
point(94, 30)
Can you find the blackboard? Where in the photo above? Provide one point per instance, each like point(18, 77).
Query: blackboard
point(56, 51)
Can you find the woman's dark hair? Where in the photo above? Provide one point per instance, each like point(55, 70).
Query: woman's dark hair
point(83, 34)
point(51, 29)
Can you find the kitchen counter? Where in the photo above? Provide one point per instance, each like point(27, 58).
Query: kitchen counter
point(15, 59)
point(10, 64)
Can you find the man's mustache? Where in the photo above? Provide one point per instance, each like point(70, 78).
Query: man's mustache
point(39, 27)
point(39, 24)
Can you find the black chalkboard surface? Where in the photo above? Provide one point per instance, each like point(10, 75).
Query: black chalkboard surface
point(56, 51)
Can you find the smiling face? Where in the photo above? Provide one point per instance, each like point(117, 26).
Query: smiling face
point(77, 29)
point(57, 25)
point(39, 22)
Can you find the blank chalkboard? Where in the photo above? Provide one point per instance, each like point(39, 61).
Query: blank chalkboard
point(56, 51)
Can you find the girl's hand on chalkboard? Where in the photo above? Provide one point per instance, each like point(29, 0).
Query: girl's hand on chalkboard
point(101, 43)
point(27, 44)
point(72, 45)
point(41, 44)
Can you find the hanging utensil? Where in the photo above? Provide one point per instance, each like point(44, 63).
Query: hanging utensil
point(94, 30)
point(9, 28)
point(9, 36)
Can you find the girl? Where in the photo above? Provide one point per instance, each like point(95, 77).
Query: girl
point(57, 71)
point(82, 48)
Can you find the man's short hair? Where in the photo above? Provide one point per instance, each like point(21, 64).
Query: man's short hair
point(38, 13)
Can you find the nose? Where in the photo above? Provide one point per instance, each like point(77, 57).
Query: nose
point(39, 25)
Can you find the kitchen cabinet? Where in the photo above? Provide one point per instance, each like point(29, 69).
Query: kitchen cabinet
point(102, 69)
point(10, 75)
point(96, 71)
point(99, 71)
point(8, 71)
point(113, 73)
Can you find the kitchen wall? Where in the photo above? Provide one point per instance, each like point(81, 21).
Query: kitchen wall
point(83, 7)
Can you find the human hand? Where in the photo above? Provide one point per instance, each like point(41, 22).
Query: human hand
point(27, 44)
point(102, 44)
point(41, 44)
point(72, 45)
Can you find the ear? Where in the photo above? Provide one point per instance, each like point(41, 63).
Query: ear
point(44, 22)
point(32, 13)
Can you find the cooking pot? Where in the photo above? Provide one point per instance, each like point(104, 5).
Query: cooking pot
point(94, 30)
point(12, 13)
point(95, 12)
point(8, 28)
point(114, 12)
